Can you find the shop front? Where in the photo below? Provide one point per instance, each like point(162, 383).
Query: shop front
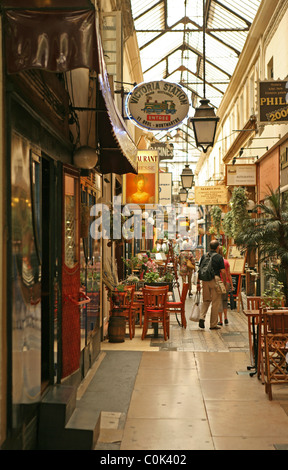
point(53, 271)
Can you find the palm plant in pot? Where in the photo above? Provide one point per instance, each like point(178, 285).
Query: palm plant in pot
point(268, 233)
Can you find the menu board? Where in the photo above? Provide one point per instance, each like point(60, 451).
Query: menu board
point(236, 260)
point(236, 280)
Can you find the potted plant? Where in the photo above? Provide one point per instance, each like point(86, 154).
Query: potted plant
point(154, 279)
point(150, 277)
point(269, 234)
point(168, 278)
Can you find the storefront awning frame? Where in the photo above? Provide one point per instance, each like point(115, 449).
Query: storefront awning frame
point(60, 49)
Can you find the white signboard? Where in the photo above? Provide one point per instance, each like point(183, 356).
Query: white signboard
point(157, 105)
point(241, 175)
point(165, 188)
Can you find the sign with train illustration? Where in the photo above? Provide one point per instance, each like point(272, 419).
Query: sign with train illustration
point(157, 105)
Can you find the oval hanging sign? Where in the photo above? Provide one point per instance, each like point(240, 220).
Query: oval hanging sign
point(157, 105)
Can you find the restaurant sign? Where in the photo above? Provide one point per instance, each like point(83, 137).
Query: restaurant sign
point(143, 188)
point(273, 101)
point(209, 195)
point(157, 105)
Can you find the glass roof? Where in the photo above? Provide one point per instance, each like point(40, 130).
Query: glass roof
point(170, 39)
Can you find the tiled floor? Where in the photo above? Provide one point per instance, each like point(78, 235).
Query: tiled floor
point(192, 392)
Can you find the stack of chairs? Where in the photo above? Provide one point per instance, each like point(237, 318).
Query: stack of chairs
point(273, 348)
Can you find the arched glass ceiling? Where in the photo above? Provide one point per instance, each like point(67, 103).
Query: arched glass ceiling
point(170, 39)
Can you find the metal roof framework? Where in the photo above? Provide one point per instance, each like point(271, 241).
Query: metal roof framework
point(170, 39)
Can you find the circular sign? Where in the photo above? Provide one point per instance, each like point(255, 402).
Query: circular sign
point(157, 105)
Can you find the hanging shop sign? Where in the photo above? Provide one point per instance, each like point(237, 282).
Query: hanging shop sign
point(165, 188)
point(143, 188)
point(165, 150)
point(273, 101)
point(157, 105)
point(209, 195)
point(241, 175)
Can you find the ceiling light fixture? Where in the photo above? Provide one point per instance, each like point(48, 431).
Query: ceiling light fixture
point(183, 195)
point(204, 121)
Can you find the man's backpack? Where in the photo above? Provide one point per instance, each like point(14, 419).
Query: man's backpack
point(206, 271)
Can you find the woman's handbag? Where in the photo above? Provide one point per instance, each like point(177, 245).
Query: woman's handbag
point(190, 265)
point(195, 314)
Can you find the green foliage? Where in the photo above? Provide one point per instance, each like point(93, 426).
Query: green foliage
point(269, 233)
point(273, 296)
point(227, 224)
point(151, 277)
point(132, 263)
point(216, 214)
point(235, 220)
point(238, 202)
point(168, 277)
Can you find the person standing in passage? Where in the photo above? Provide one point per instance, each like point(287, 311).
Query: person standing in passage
point(187, 267)
point(224, 303)
point(210, 294)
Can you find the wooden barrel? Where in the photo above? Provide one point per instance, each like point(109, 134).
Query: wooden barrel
point(116, 329)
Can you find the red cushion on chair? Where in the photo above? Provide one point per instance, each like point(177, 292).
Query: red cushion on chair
point(156, 310)
point(174, 304)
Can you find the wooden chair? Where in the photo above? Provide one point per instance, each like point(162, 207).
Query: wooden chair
point(124, 308)
point(253, 303)
point(179, 307)
point(138, 308)
point(274, 337)
point(155, 303)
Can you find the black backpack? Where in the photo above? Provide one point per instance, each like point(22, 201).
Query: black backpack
point(206, 271)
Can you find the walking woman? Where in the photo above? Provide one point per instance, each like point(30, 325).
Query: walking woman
point(224, 304)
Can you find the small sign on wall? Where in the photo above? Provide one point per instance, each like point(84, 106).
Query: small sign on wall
point(241, 175)
point(143, 188)
point(273, 101)
point(207, 195)
point(165, 188)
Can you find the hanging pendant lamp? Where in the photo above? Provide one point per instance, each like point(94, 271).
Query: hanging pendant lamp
point(204, 121)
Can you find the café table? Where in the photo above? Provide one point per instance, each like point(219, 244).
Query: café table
point(253, 321)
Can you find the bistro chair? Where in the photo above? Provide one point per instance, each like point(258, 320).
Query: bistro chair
point(179, 307)
point(124, 307)
point(137, 306)
point(253, 303)
point(273, 347)
point(155, 303)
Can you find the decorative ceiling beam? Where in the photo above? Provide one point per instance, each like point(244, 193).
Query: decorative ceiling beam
point(233, 13)
point(194, 30)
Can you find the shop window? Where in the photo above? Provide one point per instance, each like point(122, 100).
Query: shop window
point(71, 221)
point(90, 272)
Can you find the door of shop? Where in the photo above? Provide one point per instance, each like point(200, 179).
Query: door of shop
point(70, 273)
point(45, 201)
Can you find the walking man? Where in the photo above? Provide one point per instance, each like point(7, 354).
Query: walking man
point(210, 293)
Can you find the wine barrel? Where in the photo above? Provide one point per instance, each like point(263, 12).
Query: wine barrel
point(116, 329)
